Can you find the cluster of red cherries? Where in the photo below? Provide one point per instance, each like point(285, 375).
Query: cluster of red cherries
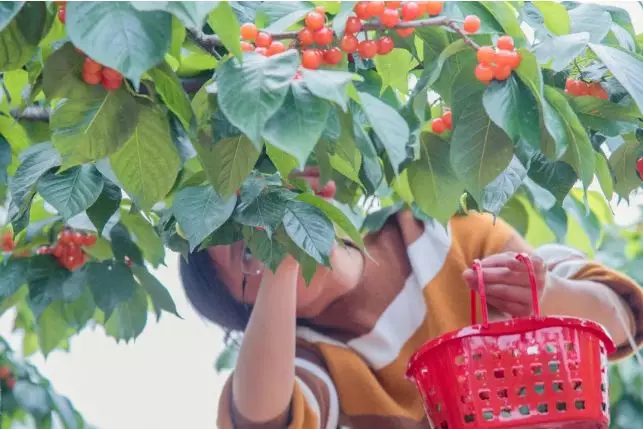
point(443, 123)
point(95, 73)
point(579, 88)
point(497, 63)
point(7, 242)
point(6, 376)
point(319, 44)
point(68, 250)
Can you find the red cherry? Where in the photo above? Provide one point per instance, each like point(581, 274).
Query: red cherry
point(438, 126)
point(249, 31)
point(361, 10)
point(484, 73)
point(310, 59)
point(367, 49)
point(89, 240)
point(447, 118)
point(405, 32)
point(393, 4)
point(5, 373)
point(434, 7)
point(263, 40)
point(410, 11)
point(505, 42)
point(349, 44)
point(65, 237)
point(78, 238)
point(276, 48)
point(323, 37)
point(486, 55)
point(128, 261)
point(111, 84)
point(515, 60)
point(58, 250)
point(390, 18)
point(328, 191)
point(315, 20)
point(91, 66)
point(385, 45)
point(92, 78)
point(375, 8)
point(639, 167)
point(305, 37)
point(247, 47)
point(62, 14)
point(504, 58)
point(333, 56)
point(471, 24)
point(501, 72)
point(262, 51)
point(353, 25)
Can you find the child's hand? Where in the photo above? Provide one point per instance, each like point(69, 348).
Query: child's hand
point(507, 282)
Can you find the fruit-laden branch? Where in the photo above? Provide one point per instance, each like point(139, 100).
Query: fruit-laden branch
point(36, 113)
point(211, 43)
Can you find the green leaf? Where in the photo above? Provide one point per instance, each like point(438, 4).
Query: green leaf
point(557, 177)
point(64, 409)
point(123, 246)
point(512, 107)
point(310, 230)
point(112, 283)
point(71, 191)
point(129, 317)
point(434, 185)
point(579, 154)
point(623, 164)
point(480, 151)
point(376, 220)
point(148, 163)
point(626, 67)
point(516, 215)
point(200, 211)
point(119, 36)
point(38, 160)
point(496, 194)
point(62, 75)
point(21, 37)
point(505, 14)
point(264, 248)
point(84, 129)
point(250, 93)
point(226, 359)
point(8, 10)
point(77, 313)
point(146, 237)
point(389, 126)
point(394, 69)
point(266, 210)
point(171, 90)
point(556, 17)
point(13, 274)
point(105, 206)
point(561, 51)
point(336, 215)
point(298, 124)
point(32, 397)
point(588, 220)
point(225, 24)
point(283, 162)
point(228, 163)
point(286, 21)
point(604, 176)
point(52, 329)
point(329, 84)
point(590, 18)
point(191, 13)
point(161, 298)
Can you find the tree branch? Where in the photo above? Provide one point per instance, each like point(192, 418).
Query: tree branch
point(211, 43)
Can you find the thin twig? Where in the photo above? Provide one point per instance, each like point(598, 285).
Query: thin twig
point(31, 113)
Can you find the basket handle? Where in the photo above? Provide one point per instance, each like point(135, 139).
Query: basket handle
point(477, 268)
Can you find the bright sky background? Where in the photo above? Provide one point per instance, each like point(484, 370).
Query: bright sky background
point(166, 379)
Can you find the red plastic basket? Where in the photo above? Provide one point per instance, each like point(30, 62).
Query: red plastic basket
point(523, 373)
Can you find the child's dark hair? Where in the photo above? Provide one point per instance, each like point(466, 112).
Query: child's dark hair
point(209, 295)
